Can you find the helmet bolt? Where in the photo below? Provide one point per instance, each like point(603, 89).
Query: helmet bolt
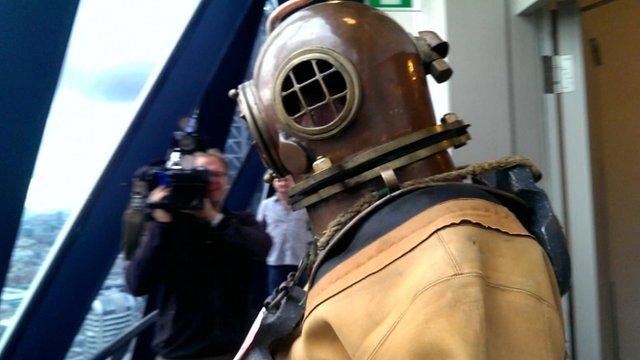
point(322, 163)
point(440, 70)
point(269, 176)
point(449, 118)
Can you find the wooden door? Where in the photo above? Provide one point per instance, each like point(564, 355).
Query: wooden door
point(611, 35)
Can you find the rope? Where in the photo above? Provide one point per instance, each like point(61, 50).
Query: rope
point(336, 224)
point(472, 170)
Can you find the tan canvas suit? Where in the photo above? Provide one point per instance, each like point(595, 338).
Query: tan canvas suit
point(461, 280)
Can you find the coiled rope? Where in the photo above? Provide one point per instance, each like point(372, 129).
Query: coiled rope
point(456, 175)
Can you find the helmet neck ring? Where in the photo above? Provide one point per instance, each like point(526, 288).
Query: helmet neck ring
point(371, 163)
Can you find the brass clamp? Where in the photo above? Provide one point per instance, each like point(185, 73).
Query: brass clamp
point(372, 163)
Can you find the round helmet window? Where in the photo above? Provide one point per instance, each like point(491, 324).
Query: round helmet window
point(319, 93)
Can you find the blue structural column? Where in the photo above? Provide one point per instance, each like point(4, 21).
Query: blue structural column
point(33, 39)
point(247, 181)
point(54, 312)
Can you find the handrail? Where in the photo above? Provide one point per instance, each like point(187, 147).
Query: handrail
point(123, 340)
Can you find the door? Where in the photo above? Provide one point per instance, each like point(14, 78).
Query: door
point(611, 43)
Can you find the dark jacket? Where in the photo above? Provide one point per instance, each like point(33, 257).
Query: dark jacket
point(209, 281)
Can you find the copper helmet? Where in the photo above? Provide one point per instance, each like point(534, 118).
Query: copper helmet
point(339, 97)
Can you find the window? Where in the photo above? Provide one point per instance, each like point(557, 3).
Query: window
point(115, 52)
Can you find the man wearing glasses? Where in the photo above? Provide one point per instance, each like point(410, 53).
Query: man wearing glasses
point(206, 266)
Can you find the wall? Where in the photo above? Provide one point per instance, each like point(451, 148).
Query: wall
point(480, 88)
point(497, 80)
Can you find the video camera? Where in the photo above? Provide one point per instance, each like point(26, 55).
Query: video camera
point(188, 184)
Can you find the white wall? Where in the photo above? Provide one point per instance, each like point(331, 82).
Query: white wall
point(480, 87)
point(497, 82)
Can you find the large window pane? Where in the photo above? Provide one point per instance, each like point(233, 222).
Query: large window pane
point(114, 309)
point(115, 51)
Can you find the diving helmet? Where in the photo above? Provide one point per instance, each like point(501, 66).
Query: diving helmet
point(339, 99)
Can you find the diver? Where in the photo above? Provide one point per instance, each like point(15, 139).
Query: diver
point(413, 258)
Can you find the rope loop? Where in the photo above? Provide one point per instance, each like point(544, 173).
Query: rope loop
point(456, 175)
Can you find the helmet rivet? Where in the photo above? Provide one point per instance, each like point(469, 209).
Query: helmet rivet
point(449, 118)
point(269, 176)
point(322, 163)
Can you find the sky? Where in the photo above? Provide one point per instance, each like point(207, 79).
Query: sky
point(115, 51)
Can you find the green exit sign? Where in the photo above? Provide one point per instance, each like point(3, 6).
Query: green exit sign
point(403, 4)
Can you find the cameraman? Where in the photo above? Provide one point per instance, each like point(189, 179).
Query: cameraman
point(205, 266)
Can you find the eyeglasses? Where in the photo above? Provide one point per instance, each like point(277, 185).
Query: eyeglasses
point(217, 174)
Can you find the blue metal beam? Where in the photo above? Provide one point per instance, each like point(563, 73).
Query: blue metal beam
point(48, 323)
point(33, 39)
point(247, 181)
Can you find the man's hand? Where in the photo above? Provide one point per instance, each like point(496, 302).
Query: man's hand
point(156, 195)
point(208, 212)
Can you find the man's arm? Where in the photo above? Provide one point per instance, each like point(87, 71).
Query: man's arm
point(144, 270)
point(244, 232)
